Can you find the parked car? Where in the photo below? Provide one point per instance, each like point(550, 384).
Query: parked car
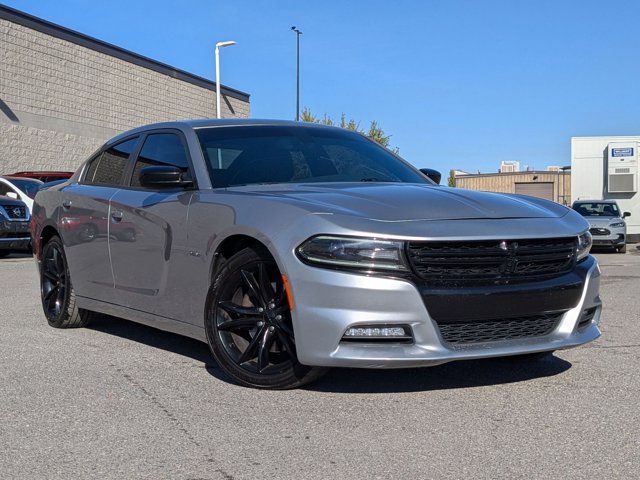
point(606, 222)
point(85, 226)
point(23, 189)
point(14, 226)
point(291, 247)
point(43, 175)
point(52, 183)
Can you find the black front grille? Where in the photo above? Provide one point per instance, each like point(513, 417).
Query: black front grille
point(599, 231)
point(495, 330)
point(492, 261)
point(15, 211)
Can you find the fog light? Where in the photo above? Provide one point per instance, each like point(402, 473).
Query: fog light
point(378, 333)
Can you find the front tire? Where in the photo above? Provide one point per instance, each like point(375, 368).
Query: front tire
point(248, 324)
point(622, 249)
point(57, 295)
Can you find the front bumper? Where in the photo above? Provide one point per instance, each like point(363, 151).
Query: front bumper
point(14, 235)
point(328, 302)
point(615, 238)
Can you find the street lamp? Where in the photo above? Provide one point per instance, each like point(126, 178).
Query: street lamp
point(298, 33)
point(219, 45)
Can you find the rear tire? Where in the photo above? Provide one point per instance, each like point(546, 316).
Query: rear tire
point(5, 253)
point(56, 291)
point(248, 324)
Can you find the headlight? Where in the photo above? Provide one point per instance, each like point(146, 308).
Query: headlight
point(584, 245)
point(617, 224)
point(350, 252)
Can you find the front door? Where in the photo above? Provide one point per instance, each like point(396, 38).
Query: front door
point(148, 232)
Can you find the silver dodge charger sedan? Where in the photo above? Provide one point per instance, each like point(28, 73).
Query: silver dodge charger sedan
point(292, 247)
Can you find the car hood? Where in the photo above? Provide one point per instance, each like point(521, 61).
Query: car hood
point(11, 201)
point(601, 221)
point(393, 202)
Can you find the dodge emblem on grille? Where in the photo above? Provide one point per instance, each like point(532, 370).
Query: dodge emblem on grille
point(16, 212)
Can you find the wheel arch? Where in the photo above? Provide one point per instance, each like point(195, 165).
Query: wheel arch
point(235, 243)
point(46, 234)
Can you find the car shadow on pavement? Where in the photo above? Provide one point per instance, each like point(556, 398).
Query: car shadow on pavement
point(152, 337)
point(464, 374)
point(460, 374)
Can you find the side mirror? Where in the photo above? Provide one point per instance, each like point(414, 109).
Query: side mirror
point(432, 174)
point(626, 214)
point(164, 176)
point(12, 195)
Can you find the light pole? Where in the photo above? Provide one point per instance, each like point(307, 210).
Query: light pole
point(298, 33)
point(219, 45)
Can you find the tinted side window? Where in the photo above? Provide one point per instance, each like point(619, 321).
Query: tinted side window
point(108, 168)
point(91, 168)
point(4, 188)
point(160, 149)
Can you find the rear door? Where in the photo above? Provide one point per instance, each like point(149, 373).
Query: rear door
point(84, 220)
point(148, 230)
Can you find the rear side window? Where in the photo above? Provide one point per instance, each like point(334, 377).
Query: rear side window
point(160, 149)
point(108, 168)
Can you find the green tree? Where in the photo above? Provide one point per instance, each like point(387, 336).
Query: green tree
point(307, 116)
point(452, 178)
point(375, 132)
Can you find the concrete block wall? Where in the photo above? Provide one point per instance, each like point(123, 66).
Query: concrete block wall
point(59, 101)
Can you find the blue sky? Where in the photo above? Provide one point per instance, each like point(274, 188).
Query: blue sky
point(458, 84)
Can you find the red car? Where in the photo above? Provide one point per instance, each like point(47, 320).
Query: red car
point(43, 176)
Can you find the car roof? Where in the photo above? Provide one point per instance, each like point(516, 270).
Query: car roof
point(214, 122)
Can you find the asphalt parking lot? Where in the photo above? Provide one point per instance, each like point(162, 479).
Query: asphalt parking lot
point(120, 400)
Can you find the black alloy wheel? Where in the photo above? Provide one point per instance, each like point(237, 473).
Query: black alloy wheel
point(249, 324)
point(54, 280)
point(57, 294)
point(253, 320)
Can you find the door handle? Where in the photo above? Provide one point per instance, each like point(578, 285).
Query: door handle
point(66, 204)
point(116, 215)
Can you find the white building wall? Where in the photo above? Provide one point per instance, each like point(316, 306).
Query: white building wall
point(588, 173)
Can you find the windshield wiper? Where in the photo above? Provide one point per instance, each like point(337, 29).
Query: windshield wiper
point(371, 179)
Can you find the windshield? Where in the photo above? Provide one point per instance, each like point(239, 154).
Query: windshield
point(247, 155)
point(30, 187)
point(596, 209)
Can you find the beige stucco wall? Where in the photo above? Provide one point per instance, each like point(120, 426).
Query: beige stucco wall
point(506, 182)
point(59, 101)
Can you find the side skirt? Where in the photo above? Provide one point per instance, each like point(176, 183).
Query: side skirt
point(138, 316)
